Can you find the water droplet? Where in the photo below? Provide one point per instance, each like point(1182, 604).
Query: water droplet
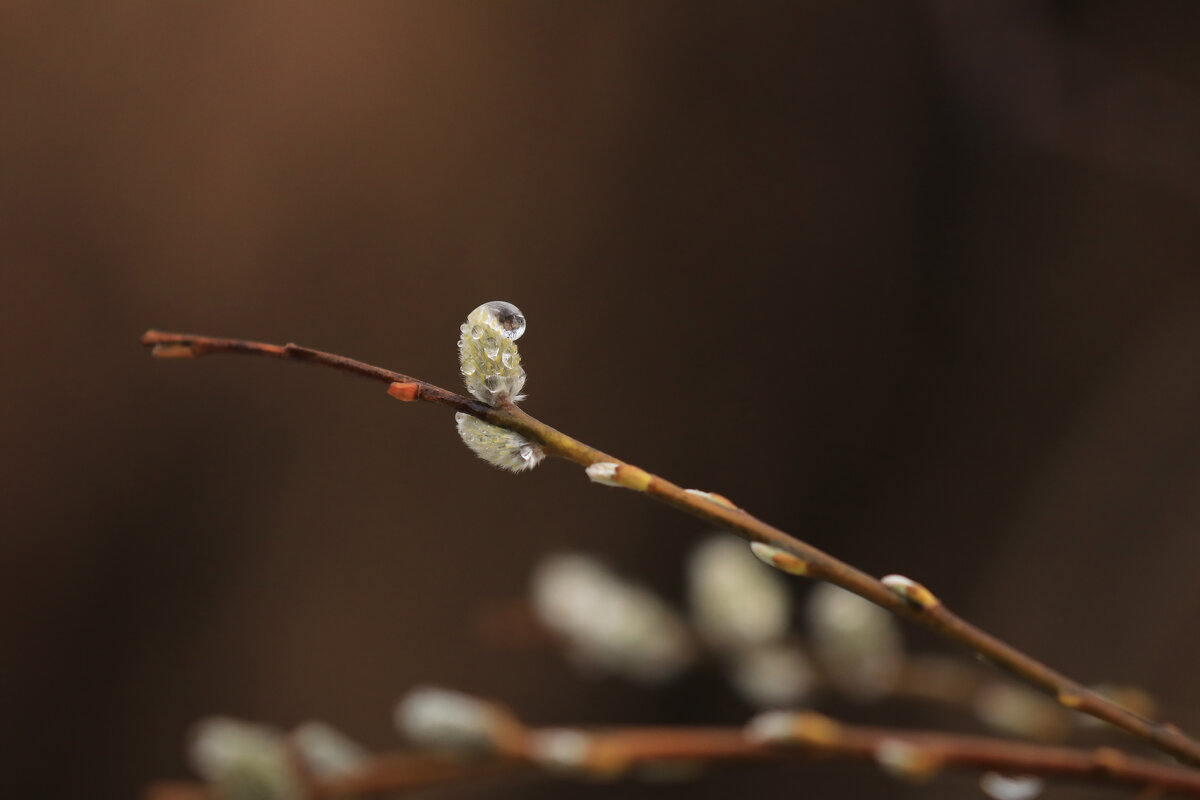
point(476, 331)
point(462, 328)
point(492, 382)
point(491, 347)
point(468, 368)
point(510, 318)
point(507, 359)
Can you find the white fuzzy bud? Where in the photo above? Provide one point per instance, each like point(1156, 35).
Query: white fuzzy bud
point(773, 675)
point(430, 716)
point(1021, 711)
point(793, 727)
point(772, 727)
point(608, 623)
point(560, 749)
point(603, 472)
point(488, 355)
point(498, 446)
point(735, 601)
point(1016, 787)
point(242, 761)
point(906, 761)
point(327, 751)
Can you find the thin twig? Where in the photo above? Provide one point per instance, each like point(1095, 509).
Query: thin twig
point(908, 600)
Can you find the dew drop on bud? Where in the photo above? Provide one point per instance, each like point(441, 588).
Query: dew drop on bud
point(487, 353)
point(509, 317)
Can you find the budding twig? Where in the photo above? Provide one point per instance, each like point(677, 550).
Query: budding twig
point(895, 593)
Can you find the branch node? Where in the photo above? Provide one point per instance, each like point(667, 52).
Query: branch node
point(780, 559)
point(560, 750)
point(405, 392)
point(1109, 759)
point(906, 761)
point(1070, 699)
point(912, 592)
point(785, 727)
point(609, 473)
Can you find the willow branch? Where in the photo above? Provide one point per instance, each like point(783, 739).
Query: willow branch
point(899, 595)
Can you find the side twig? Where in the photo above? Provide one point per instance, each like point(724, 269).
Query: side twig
point(899, 595)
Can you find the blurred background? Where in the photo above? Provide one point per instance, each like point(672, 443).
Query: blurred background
point(913, 280)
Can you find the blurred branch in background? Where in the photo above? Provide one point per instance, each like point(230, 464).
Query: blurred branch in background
point(466, 739)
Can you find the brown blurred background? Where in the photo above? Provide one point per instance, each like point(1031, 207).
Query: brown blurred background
point(914, 280)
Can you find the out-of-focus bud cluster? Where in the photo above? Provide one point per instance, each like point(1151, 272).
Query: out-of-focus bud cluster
point(742, 609)
point(1020, 711)
point(740, 612)
point(857, 643)
point(1010, 787)
point(775, 675)
point(491, 368)
point(245, 761)
point(608, 623)
point(327, 752)
point(242, 761)
point(443, 719)
point(735, 601)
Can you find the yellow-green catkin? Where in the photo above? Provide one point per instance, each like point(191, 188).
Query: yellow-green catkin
point(498, 446)
point(488, 354)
